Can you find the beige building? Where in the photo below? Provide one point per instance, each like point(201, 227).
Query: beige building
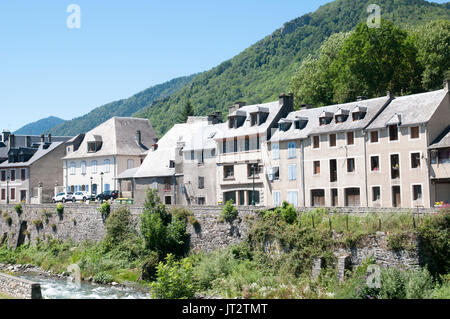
point(94, 160)
point(240, 172)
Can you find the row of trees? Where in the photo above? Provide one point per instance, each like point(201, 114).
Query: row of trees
point(369, 61)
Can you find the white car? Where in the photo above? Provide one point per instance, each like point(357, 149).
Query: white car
point(82, 196)
point(63, 197)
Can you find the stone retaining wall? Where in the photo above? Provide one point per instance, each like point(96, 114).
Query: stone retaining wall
point(19, 288)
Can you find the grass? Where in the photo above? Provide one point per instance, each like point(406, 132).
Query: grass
point(5, 296)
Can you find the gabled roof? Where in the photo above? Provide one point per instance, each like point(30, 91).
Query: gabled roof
point(414, 109)
point(442, 141)
point(118, 137)
point(21, 141)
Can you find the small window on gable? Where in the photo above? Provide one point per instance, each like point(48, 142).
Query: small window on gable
point(91, 147)
point(414, 132)
point(253, 119)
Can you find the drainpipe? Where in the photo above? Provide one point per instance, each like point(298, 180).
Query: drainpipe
point(428, 167)
point(115, 173)
point(302, 168)
point(365, 167)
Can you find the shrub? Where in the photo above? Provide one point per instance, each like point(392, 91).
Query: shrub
point(420, 284)
point(149, 267)
point(397, 241)
point(174, 280)
point(393, 284)
point(118, 226)
point(105, 210)
point(18, 209)
point(53, 226)
point(229, 212)
point(288, 213)
point(38, 224)
point(60, 210)
point(103, 278)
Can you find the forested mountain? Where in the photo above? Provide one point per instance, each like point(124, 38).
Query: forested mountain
point(39, 127)
point(126, 107)
point(264, 70)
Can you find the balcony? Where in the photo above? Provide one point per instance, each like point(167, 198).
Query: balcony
point(440, 163)
point(167, 188)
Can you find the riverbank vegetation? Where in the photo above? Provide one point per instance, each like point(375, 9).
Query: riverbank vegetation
point(275, 260)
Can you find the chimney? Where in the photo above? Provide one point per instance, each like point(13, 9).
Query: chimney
point(28, 141)
point(138, 137)
point(446, 84)
point(49, 138)
point(12, 141)
point(6, 135)
point(287, 101)
point(390, 95)
point(42, 138)
point(215, 118)
point(235, 107)
point(361, 98)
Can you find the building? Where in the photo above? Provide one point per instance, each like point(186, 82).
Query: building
point(240, 171)
point(94, 160)
point(181, 166)
point(32, 170)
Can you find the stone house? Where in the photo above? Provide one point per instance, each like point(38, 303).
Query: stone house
point(32, 170)
point(94, 160)
point(240, 172)
point(181, 166)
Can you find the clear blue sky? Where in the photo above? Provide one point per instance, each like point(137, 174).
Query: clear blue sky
point(122, 47)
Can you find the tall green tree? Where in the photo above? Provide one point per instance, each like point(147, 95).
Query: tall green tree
point(188, 110)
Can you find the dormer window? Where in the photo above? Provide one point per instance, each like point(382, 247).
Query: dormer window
point(359, 113)
point(284, 125)
point(172, 164)
point(341, 116)
point(339, 119)
point(91, 147)
point(253, 119)
point(325, 118)
point(300, 123)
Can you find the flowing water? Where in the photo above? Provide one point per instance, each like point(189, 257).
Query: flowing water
point(55, 288)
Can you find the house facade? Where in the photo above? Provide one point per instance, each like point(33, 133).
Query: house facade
point(94, 160)
point(32, 170)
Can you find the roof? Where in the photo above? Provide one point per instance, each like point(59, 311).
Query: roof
point(21, 141)
point(117, 137)
point(443, 140)
point(40, 153)
point(246, 129)
point(410, 110)
point(187, 135)
point(372, 107)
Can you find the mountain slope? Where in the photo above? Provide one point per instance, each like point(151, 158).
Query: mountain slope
point(39, 127)
point(263, 71)
point(126, 107)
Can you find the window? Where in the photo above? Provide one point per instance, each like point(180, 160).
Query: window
point(201, 201)
point(395, 166)
point(235, 145)
point(350, 138)
point(258, 169)
point(334, 197)
point(292, 172)
point(333, 170)
point(130, 164)
point(107, 187)
point(228, 171)
point(83, 168)
point(73, 167)
point(13, 194)
point(3, 174)
point(323, 121)
point(258, 145)
point(201, 182)
point(276, 199)
point(224, 147)
point(340, 119)
point(13, 175)
point(275, 151)
point(91, 147)
point(107, 164)
point(192, 155)
point(332, 140)
point(376, 193)
point(69, 150)
point(374, 137)
point(292, 147)
point(393, 133)
point(417, 192)
point(274, 174)
point(358, 116)
point(316, 141)
point(352, 197)
point(3, 194)
point(253, 119)
point(375, 163)
point(293, 198)
point(316, 167)
point(317, 198)
point(350, 165)
point(247, 144)
point(414, 132)
point(23, 174)
point(415, 160)
point(94, 167)
point(171, 164)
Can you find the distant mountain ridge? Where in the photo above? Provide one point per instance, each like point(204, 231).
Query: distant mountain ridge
point(40, 127)
point(123, 108)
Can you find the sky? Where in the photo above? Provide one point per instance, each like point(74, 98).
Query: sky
point(121, 48)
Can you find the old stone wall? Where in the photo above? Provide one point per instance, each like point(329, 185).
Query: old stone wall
point(19, 288)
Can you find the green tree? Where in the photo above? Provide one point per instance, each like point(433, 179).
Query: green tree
point(188, 110)
point(433, 45)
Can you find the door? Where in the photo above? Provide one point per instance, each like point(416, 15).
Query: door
point(23, 196)
point(334, 197)
point(396, 196)
point(352, 197)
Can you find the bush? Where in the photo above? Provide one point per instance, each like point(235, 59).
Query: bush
point(229, 212)
point(420, 284)
point(149, 267)
point(174, 280)
point(105, 210)
point(103, 278)
point(393, 284)
point(288, 213)
point(118, 226)
point(18, 209)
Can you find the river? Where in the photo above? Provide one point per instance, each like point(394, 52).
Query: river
point(55, 288)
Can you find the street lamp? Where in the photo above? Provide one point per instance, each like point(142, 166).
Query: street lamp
point(91, 186)
point(253, 193)
point(7, 189)
point(101, 194)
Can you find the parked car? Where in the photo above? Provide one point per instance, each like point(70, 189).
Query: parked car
point(83, 196)
point(63, 197)
point(107, 195)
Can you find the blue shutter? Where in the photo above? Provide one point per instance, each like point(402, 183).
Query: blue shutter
point(292, 146)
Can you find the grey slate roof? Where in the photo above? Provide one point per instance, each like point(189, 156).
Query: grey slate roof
point(443, 140)
point(246, 129)
point(372, 107)
point(21, 141)
point(410, 110)
point(118, 137)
